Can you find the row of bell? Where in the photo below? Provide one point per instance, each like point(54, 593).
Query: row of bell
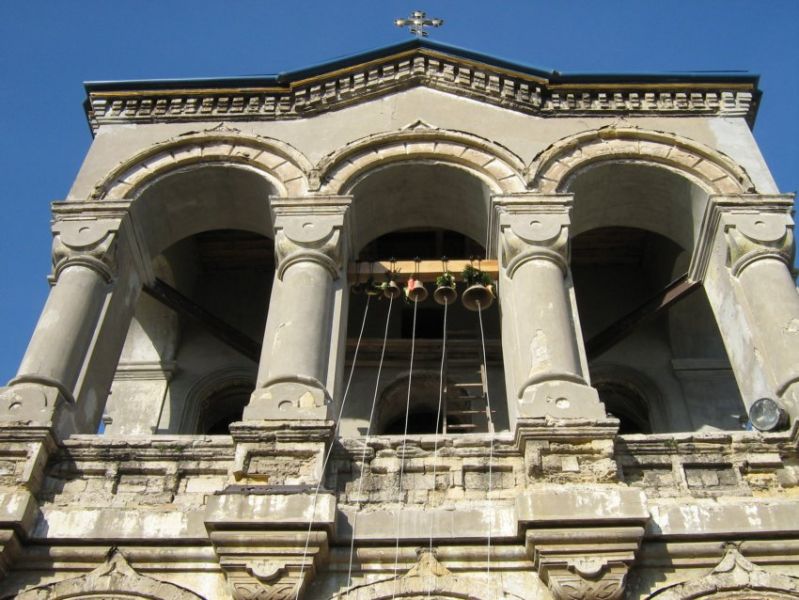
point(475, 297)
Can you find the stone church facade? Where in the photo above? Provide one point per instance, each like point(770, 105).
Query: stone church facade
point(221, 401)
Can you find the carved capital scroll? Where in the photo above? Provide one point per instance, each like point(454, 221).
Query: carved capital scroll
point(91, 243)
point(310, 230)
point(754, 236)
point(534, 227)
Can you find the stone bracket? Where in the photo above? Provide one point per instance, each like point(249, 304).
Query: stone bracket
point(584, 563)
point(269, 565)
point(10, 549)
point(583, 541)
point(270, 546)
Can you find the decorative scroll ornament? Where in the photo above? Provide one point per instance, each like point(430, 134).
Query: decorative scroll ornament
point(262, 580)
point(310, 230)
point(540, 233)
point(755, 236)
point(91, 243)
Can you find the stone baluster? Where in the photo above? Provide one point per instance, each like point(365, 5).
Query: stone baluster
point(293, 375)
point(539, 329)
point(84, 262)
point(760, 246)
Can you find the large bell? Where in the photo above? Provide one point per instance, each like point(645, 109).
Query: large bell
point(477, 297)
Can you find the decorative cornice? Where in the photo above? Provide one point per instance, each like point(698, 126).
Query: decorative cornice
point(497, 85)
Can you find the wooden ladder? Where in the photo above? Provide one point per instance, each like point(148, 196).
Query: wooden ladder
point(466, 405)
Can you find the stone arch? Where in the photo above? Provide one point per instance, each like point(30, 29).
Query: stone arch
point(646, 398)
point(733, 578)
point(115, 579)
point(428, 578)
point(201, 392)
point(553, 169)
point(282, 164)
point(500, 168)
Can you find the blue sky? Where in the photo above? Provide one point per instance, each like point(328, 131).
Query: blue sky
point(47, 49)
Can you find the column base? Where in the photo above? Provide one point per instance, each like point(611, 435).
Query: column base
point(29, 403)
point(288, 399)
point(561, 400)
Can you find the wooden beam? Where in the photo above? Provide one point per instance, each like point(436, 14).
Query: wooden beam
point(667, 297)
point(425, 270)
point(236, 339)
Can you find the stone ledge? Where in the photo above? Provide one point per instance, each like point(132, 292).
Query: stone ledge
point(574, 505)
point(412, 525)
point(17, 510)
point(109, 524)
point(270, 511)
point(714, 520)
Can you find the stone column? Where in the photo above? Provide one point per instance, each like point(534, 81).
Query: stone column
point(294, 371)
point(84, 262)
point(539, 327)
point(760, 246)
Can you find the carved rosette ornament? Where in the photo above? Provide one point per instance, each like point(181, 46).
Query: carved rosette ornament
point(534, 231)
point(310, 230)
point(91, 243)
point(755, 236)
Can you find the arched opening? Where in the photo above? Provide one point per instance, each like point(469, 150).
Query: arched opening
point(223, 407)
point(634, 232)
point(427, 211)
point(206, 309)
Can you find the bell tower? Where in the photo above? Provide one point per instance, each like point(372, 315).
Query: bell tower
point(419, 322)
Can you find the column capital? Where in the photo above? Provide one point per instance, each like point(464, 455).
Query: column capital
point(533, 227)
point(88, 242)
point(311, 229)
point(88, 233)
point(754, 235)
point(754, 226)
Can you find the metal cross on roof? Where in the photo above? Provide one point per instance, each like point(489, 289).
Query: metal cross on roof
point(417, 22)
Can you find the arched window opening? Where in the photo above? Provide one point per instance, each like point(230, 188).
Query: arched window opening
point(428, 210)
point(634, 231)
point(423, 408)
point(205, 313)
point(224, 406)
point(626, 403)
point(208, 229)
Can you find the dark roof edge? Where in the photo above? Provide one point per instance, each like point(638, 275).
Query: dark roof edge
point(555, 77)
